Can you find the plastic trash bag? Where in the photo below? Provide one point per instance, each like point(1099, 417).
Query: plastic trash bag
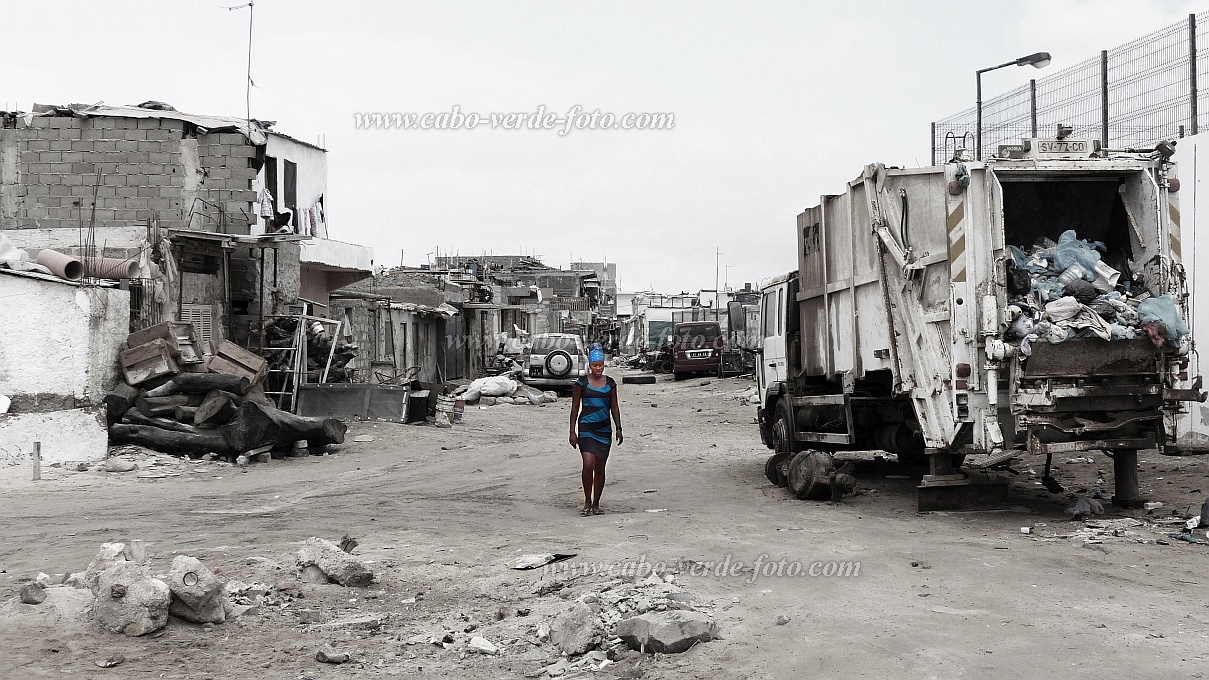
point(1048, 289)
point(1070, 250)
point(1166, 316)
point(1062, 309)
point(1081, 290)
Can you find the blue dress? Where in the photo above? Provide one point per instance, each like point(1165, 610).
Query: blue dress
point(595, 423)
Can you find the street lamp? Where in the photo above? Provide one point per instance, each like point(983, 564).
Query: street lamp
point(1038, 60)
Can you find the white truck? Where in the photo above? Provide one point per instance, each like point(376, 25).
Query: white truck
point(913, 326)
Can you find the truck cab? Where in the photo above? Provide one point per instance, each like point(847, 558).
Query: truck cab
point(777, 317)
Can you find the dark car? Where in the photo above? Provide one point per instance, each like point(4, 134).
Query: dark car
point(697, 348)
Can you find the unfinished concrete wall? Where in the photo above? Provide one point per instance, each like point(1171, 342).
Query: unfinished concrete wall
point(150, 169)
point(60, 347)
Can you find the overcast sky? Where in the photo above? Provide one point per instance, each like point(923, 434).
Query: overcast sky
point(774, 104)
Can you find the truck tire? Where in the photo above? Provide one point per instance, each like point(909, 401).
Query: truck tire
point(781, 439)
point(677, 376)
point(638, 380)
point(772, 469)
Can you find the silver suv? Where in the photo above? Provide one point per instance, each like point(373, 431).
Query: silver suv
point(554, 360)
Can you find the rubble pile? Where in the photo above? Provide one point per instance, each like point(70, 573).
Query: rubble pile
point(125, 596)
point(1073, 288)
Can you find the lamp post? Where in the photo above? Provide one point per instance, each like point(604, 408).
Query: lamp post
point(1038, 60)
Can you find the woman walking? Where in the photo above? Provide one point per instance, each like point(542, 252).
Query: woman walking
point(593, 402)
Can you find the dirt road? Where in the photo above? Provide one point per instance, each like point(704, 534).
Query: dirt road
point(439, 513)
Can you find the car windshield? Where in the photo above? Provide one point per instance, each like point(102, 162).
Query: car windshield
point(547, 345)
point(700, 335)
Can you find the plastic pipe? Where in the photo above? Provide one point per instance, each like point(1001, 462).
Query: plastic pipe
point(63, 266)
point(110, 268)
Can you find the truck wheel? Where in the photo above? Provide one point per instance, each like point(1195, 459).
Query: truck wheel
point(772, 469)
point(781, 434)
point(677, 376)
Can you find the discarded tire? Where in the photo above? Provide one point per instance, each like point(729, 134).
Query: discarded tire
point(638, 380)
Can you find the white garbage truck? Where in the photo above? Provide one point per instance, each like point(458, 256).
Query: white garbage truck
point(964, 314)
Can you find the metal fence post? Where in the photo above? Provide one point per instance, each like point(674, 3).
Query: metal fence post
point(1104, 98)
point(933, 143)
point(1192, 73)
point(1032, 104)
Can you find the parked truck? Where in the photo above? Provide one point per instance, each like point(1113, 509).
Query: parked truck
point(935, 315)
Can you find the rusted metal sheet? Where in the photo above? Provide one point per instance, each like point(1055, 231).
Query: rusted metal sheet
point(1091, 357)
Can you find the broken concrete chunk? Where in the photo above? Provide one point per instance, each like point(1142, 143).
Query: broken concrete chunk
point(481, 645)
point(329, 655)
point(33, 593)
point(336, 564)
point(109, 555)
point(313, 574)
point(669, 632)
point(576, 630)
point(199, 595)
point(353, 623)
point(127, 600)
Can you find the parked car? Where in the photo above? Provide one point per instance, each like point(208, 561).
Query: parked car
point(697, 348)
point(555, 360)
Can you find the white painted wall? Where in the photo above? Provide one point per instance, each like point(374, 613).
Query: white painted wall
point(1192, 159)
point(77, 435)
point(60, 338)
point(312, 174)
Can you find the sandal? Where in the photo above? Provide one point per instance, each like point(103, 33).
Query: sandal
point(597, 511)
point(585, 512)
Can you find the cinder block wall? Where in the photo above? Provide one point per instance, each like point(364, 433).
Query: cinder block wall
point(150, 169)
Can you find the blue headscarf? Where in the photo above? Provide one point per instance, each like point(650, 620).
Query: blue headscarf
point(595, 353)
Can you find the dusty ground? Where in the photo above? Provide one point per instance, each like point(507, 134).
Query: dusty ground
point(441, 512)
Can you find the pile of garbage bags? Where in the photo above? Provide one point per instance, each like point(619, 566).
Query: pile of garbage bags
point(1064, 290)
point(500, 387)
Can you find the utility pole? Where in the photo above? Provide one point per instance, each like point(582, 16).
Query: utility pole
point(717, 269)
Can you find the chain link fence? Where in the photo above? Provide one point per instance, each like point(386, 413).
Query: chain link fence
point(1132, 96)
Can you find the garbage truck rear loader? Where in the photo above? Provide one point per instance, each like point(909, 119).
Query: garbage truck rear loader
point(1031, 302)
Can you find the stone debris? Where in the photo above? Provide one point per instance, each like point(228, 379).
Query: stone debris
point(119, 465)
point(577, 629)
point(128, 600)
point(109, 555)
point(110, 661)
point(33, 593)
point(669, 632)
point(481, 645)
point(372, 622)
point(198, 595)
point(329, 655)
point(334, 563)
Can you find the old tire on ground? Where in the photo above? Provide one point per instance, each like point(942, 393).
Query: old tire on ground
point(558, 363)
point(638, 380)
point(772, 468)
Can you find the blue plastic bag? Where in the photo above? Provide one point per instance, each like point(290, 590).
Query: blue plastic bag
point(1070, 250)
point(1166, 315)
